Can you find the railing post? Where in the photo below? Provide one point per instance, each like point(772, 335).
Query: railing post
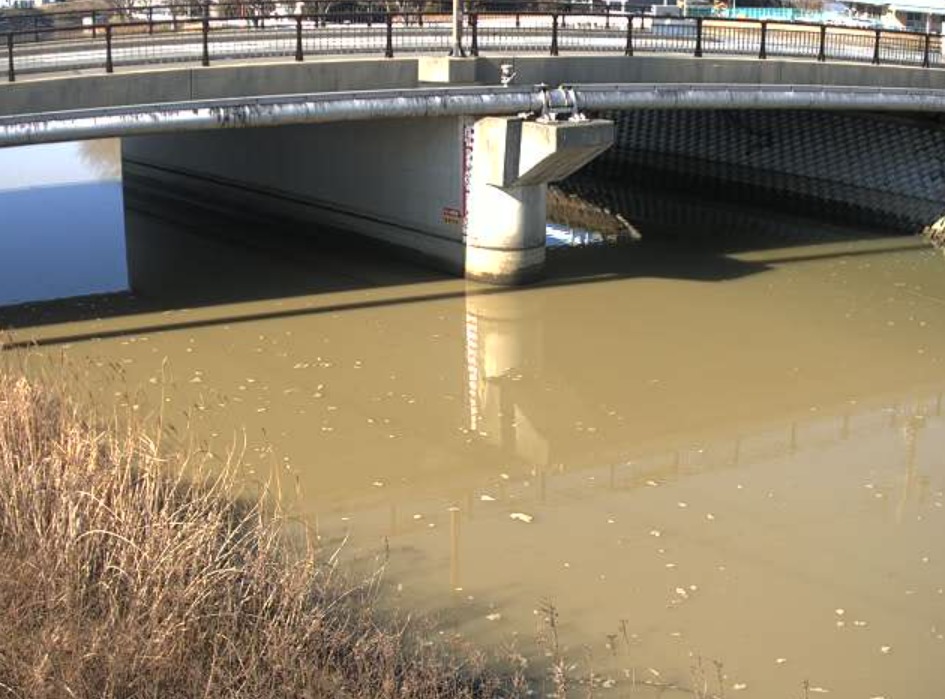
point(109, 66)
point(299, 56)
point(628, 51)
point(389, 49)
point(518, 21)
point(876, 47)
point(763, 49)
point(36, 28)
point(11, 71)
point(926, 58)
point(607, 16)
point(698, 53)
point(474, 27)
point(822, 52)
point(554, 35)
point(205, 30)
point(150, 20)
point(94, 25)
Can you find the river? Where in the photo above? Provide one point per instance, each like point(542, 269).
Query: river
point(713, 455)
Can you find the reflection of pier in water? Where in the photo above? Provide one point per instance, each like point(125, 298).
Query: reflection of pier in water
point(504, 340)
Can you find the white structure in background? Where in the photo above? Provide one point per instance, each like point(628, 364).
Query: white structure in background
point(911, 15)
point(26, 4)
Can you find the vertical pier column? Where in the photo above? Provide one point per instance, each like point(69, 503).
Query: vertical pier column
point(512, 162)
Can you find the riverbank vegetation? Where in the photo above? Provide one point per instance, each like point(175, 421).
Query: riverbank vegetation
point(130, 569)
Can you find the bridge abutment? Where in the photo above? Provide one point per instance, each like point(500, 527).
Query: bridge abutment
point(466, 195)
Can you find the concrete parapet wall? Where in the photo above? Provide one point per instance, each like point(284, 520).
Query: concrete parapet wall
point(216, 82)
point(230, 80)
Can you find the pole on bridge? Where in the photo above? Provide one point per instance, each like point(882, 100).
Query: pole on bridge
point(628, 51)
point(205, 26)
point(299, 56)
point(554, 35)
point(389, 49)
point(698, 52)
point(456, 50)
point(925, 55)
point(876, 49)
point(763, 49)
point(822, 51)
point(109, 66)
point(11, 73)
point(474, 27)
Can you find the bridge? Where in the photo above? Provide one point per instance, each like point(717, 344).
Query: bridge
point(455, 152)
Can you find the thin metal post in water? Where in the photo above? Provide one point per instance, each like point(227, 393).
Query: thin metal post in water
point(698, 53)
point(925, 56)
point(822, 52)
point(628, 51)
point(11, 72)
point(389, 49)
point(456, 50)
point(109, 67)
point(763, 49)
point(554, 35)
point(474, 26)
point(876, 49)
point(205, 26)
point(299, 56)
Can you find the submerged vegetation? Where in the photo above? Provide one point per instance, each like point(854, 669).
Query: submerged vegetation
point(128, 569)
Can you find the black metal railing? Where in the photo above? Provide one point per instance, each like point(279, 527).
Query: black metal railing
point(202, 33)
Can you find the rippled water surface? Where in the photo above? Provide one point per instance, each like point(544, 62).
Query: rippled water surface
point(709, 449)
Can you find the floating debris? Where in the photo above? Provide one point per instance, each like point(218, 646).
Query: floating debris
point(885, 649)
point(780, 661)
point(652, 483)
point(495, 616)
point(839, 612)
point(818, 690)
point(709, 516)
point(655, 532)
point(378, 484)
point(739, 686)
point(682, 504)
point(522, 517)
point(486, 498)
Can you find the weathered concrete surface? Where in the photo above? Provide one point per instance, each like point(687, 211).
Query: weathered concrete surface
point(182, 84)
point(684, 69)
point(399, 181)
point(288, 77)
point(421, 185)
point(512, 162)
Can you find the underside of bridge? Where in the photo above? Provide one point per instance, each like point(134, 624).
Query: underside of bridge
point(466, 194)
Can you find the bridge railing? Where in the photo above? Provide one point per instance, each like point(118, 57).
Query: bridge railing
point(206, 34)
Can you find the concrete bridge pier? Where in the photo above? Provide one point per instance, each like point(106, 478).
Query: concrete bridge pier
point(467, 195)
point(513, 160)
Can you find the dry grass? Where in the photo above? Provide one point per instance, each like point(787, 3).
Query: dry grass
point(128, 572)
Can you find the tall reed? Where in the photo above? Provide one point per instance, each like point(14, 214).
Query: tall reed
point(131, 570)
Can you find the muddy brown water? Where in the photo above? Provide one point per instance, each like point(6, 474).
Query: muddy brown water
point(729, 451)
